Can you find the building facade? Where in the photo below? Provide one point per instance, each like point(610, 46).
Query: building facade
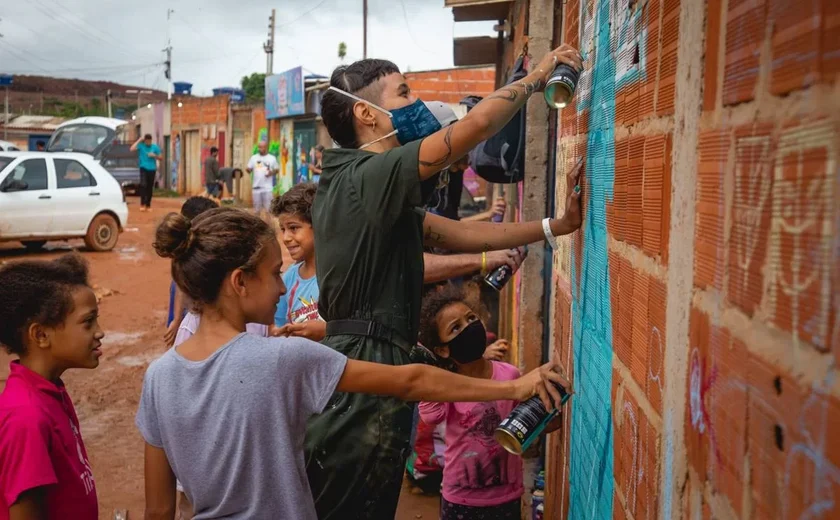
point(698, 309)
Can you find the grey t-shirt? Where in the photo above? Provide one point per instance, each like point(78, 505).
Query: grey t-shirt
point(233, 425)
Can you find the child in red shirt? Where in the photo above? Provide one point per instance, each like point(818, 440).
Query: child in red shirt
point(48, 318)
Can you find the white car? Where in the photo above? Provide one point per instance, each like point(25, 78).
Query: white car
point(58, 196)
point(6, 146)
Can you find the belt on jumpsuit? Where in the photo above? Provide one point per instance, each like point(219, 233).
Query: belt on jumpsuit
point(371, 329)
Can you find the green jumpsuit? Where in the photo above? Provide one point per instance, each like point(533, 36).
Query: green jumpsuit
point(369, 264)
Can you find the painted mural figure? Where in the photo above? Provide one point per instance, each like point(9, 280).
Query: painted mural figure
point(391, 142)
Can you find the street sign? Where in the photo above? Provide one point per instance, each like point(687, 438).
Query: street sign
point(6, 80)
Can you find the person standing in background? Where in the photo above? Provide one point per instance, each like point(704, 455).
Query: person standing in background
point(212, 178)
point(263, 167)
point(40, 146)
point(148, 154)
point(315, 165)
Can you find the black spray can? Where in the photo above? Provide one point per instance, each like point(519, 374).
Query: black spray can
point(500, 276)
point(525, 423)
point(560, 87)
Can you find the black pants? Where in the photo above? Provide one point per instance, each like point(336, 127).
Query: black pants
point(147, 187)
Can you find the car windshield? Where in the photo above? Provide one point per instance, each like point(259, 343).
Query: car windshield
point(78, 138)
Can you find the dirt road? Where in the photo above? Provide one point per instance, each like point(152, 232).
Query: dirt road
point(134, 285)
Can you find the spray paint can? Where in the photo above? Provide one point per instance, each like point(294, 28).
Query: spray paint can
point(500, 276)
point(561, 85)
point(525, 423)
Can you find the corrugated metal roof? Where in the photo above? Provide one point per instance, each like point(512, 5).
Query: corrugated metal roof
point(46, 122)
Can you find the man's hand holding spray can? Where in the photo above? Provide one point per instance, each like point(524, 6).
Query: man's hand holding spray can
point(527, 422)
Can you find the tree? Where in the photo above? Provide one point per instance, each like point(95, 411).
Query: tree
point(342, 51)
point(254, 86)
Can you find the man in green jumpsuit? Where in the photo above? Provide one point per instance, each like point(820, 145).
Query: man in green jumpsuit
point(369, 238)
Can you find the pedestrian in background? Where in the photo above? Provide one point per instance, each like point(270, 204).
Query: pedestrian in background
point(212, 177)
point(263, 167)
point(49, 319)
point(148, 155)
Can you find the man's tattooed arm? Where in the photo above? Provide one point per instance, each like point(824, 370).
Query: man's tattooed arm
point(431, 237)
point(445, 158)
point(511, 93)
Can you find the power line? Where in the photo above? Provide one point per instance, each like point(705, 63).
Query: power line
point(118, 42)
point(20, 56)
point(114, 68)
point(201, 33)
point(410, 34)
point(301, 17)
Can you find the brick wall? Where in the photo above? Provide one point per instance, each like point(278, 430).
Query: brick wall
point(698, 310)
point(451, 85)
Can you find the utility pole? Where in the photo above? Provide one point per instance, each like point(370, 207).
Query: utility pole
point(268, 46)
point(107, 102)
point(6, 117)
point(364, 28)
point(168, 51)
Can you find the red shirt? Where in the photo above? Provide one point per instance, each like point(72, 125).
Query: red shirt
point(40, 445)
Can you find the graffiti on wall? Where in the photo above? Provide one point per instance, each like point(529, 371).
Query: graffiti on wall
point(591, 461)
point(285, 159)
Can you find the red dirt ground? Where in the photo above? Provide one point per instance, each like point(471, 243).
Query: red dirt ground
point(134, 284)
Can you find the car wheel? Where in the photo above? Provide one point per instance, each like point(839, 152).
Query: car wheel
point(102, 233)
point(34, 245)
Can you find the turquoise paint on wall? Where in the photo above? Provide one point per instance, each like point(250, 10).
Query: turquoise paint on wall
point(591, 460)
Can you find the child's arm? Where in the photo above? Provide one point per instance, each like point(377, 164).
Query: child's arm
point(432, 413)
point(30, 505)
point(416, 382)
point(160, 485)
point(316, 330)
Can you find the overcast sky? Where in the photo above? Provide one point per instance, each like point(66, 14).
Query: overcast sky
point(216, 42)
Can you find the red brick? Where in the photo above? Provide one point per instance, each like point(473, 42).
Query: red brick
point(654, 206)
point(635, 184)
point(617, 209)
point(714, 15)
point(647, 88)
point(668, 59)
point(751, 212)
point(713, 154)
point(795, 44)
point(623, 321)
point(657, 295)
point(804, 207)
point(640, 339)
point(830, 41)
point(792, 446)
point(717, 406)
point(744, 35)
point(636, 450)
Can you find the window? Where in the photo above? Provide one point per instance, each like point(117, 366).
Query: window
point(4, 161)
point(70, 173)
point(33, 172)
point(78, 138)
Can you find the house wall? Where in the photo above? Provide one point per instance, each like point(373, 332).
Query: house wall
point(698, 309)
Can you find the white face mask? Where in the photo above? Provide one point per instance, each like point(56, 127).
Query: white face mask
point(373, 105)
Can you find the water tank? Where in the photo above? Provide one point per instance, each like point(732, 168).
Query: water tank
point(183, 88)
point(237, 95)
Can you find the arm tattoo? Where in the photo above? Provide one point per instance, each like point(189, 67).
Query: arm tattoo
point(506, 93)
point(444, 159)
point(432, 236)
point(487, 248)
point(511, 93)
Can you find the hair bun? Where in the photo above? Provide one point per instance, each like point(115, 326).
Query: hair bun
point(173, 238)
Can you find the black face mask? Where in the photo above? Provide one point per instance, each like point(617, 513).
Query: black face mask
point(469, 345)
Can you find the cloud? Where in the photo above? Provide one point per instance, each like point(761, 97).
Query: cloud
point(216, 42)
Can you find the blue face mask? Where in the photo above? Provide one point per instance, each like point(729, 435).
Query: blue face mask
point(411, 122)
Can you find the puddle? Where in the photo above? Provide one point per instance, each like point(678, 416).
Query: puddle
point(121, 338)
point(137, 361)
point(130, 253)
